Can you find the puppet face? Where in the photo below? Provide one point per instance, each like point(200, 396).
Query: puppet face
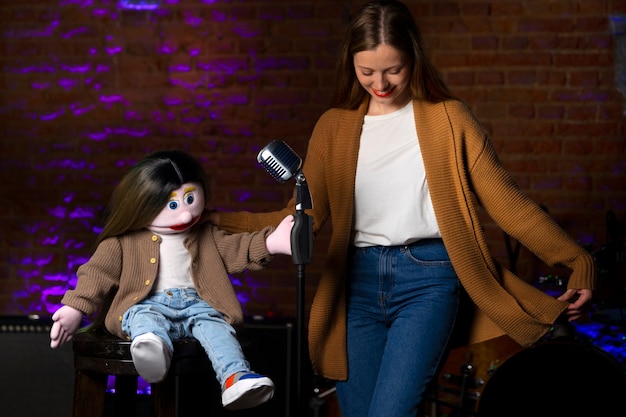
point(181, 211)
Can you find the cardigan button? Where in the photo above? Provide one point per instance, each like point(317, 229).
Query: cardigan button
point(155, 238)
point(152, 260)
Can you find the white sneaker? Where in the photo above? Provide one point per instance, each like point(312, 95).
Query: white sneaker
point(246, 390)
point(151, 357)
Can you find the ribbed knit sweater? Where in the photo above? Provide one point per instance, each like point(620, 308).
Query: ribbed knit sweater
point(462, 171)
point(123, 271)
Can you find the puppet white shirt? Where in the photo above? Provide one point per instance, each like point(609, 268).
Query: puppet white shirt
point(174, 263)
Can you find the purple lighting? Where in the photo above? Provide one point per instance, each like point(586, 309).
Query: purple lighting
point(140, 4)
point(193, 20)
point(75, 32)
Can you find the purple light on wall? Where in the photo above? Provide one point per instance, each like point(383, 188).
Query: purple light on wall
point(67, 163)
point(139, 4)
point(74, 32)
point(74, 261)
point(173, 101)
point(192, 85)
point(50, 241)
point(106, 133)
point(180, 67)
point(67, 84)
point(81, 3)
point(78, 111)
point(53, 115)
point(102, 13)
point(40, 85)
point(42, 68)
point(243, 196)
point(167, 48)
point(246, 282)
point(227, 66)
point(162, 117)
point(113, 50)
point(82, 213)
point(245, 31)
point(39, 261)
point(29, 33)
point(102, 68)
point(58, 212)
point(113, 99)
point(192, 20)
point(217, 15)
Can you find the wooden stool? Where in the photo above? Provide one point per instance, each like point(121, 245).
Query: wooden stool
point(98, 354)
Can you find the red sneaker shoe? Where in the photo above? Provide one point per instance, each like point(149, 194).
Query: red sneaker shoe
point(246, 390)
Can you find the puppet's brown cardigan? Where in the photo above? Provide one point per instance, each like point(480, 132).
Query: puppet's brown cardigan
point(125, 268)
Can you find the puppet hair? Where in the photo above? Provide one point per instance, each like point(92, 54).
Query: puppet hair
point(145, 189)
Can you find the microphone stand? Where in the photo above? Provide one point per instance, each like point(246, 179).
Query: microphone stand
point(301, 250)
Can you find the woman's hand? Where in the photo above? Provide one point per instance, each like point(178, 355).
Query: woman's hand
point(578, 299)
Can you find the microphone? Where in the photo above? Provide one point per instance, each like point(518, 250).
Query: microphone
point(283, 164)
point(279, 160)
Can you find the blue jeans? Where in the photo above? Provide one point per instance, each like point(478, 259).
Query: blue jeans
point(402, 305)
point(179, 313)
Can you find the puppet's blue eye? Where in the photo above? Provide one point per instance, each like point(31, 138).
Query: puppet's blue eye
point(173, 205)
point(189, 199)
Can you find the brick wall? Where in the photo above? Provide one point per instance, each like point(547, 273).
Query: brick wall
point(88, 89)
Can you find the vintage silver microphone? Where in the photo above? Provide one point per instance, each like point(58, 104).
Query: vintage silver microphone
point(283, 164)
point(280, 160)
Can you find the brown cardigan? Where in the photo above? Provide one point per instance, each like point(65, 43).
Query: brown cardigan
point(126, 267)
point(462, 171)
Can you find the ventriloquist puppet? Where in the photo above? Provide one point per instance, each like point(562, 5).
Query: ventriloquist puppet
point(168, 270)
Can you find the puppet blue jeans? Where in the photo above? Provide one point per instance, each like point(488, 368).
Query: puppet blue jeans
point(402, 305)
point(178, 313)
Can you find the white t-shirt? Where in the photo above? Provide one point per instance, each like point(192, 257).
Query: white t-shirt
point(174, 263)
point(392, 201)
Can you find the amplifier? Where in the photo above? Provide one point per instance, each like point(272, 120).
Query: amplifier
point(269, 345)
point(35, 380)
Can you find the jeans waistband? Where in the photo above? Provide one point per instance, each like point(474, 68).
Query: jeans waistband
point(182, 291)
point(419, 242)
point(423, 242)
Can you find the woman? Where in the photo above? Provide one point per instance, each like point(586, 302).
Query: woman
point(399, 166)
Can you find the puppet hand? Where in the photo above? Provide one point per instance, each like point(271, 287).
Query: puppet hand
point(66, 321)
point(279, 241)
point(578, 300)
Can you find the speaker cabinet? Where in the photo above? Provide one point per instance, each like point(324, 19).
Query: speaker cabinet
point(271, 350)
point(35, 380)
point(269, 346)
